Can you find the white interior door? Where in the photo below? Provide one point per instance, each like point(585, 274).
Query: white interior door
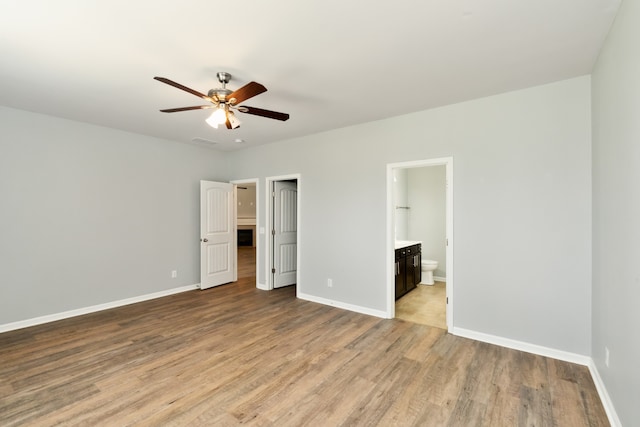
point(218, 255)
point(285, 233)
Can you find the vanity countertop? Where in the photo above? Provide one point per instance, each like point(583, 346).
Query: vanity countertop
point(406, 243)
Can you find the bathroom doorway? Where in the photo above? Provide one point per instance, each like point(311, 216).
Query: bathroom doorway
point(420, 211)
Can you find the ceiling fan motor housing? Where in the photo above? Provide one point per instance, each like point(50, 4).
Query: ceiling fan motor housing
point(223, 77)
point(219, 94)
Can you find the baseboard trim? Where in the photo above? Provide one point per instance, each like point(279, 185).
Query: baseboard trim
point(555, 354)
point(614, 420)
point(94, 308)
point(262, 286)
point(343, 305)
point(523, 346)
point(440, 279)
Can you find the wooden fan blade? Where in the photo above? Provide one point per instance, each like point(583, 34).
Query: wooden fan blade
point(247, 91)
point(197, 107)
point(184, 88)
point(228, 124)
point(264, 113)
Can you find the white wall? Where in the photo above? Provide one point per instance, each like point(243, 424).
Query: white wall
point(91, 215)
point(616, 213)
point(522, 204)
point(427, 195)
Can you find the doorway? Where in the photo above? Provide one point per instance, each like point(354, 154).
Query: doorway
point(283, 223)
point(397, 230)
point(248, 217)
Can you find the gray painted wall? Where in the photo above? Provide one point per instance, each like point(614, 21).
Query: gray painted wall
point(95, 215)
point(616, 213)
point(522, 200)
point(427, 216)
point(92, 215)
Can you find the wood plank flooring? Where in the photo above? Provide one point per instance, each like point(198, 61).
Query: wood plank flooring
point(235, 355)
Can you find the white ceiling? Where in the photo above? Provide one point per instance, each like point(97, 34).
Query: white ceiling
point(329, 63)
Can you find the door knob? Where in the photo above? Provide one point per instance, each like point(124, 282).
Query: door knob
point(204, 240)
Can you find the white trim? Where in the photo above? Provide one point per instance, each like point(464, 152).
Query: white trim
point(614, 420)
point(523, 346)
point(262, 286)
point(450, 239)
point(268, 241)
point(94, 308)
point(554, 354)
point(440, 279)
point(256, 221)
point(448, 163)
point(343, 305)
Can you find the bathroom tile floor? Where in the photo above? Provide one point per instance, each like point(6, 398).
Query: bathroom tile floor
point(425, 305)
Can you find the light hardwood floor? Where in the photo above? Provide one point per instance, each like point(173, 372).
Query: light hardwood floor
point(236, 355)
point(246, 262)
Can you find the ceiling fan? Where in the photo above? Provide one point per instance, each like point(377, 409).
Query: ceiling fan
point(225, 102)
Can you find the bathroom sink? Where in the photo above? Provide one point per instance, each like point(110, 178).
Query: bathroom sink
point(405, 243)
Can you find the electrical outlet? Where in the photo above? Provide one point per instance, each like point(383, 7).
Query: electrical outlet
point(606, 356)
point(330, 283)
point(174, 274)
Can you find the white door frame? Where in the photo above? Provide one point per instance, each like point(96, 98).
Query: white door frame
point(255, 181)
point(448, 163)
point(269, 238)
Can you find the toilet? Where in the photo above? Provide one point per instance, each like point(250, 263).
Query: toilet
point(428, 266)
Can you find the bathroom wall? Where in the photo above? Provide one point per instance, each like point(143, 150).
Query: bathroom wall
point(400, 201)
point(426, 193)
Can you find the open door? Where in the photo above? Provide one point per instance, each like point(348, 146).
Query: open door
point(285, 233)
point(218, 255)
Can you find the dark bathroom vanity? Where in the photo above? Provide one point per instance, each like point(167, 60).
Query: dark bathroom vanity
point(408, 263)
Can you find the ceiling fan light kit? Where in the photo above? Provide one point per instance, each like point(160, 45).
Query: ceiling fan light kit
point(217, 118)
point(225, 102)
point(235, 123)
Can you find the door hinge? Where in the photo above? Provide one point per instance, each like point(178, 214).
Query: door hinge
point(273, 232)
point(447, 300)
point(273, 271)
